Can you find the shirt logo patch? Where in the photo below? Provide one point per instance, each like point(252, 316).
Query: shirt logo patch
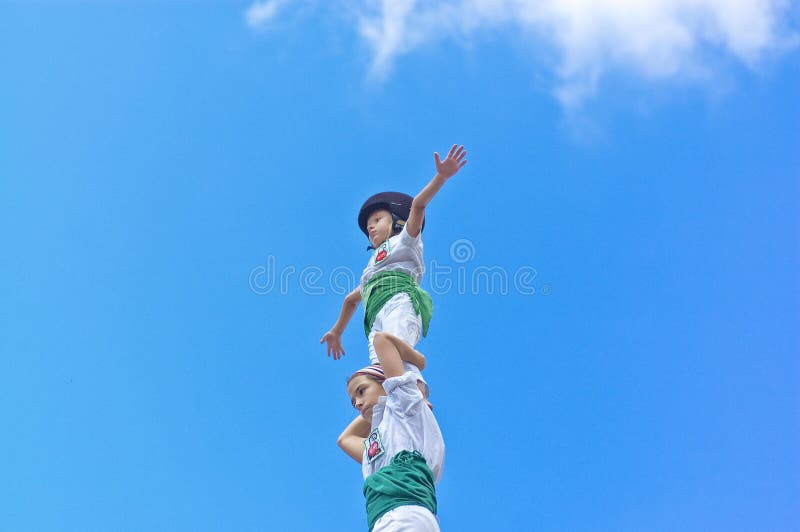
point(382, 252)
point(374, 445)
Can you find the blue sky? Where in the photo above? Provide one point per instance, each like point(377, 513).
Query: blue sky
point(160, 163)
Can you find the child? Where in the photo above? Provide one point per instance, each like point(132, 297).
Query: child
point(397, 440)
point(393, 300)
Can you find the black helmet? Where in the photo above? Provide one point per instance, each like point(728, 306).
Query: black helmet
point(397, 203)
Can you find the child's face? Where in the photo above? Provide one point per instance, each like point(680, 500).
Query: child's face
point(364, 393)
point(379, 227)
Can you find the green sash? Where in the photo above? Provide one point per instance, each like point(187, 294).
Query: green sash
point(384, 286)
point(407, 480)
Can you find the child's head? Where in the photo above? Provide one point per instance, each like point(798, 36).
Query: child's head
point(364, 387)
point(398, 207)
point(380, 226)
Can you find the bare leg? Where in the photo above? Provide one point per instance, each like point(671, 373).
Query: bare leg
point(405, 351)
point(389, 348)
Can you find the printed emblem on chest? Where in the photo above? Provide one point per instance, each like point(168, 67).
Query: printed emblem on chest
point(382, 252)
point(374, 445)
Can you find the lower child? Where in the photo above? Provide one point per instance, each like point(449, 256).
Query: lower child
point(396, 439)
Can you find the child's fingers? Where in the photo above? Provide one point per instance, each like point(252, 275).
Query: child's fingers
point(452, 150)
point(436, 158)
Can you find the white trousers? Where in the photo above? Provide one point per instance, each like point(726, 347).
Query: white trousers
point(407, 519)
point(397, 317)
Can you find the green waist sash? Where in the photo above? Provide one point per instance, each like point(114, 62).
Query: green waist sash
point(407, 480)
point(384, 286)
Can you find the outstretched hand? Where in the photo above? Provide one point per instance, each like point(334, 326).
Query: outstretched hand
point(334, 342)
point(455, 160)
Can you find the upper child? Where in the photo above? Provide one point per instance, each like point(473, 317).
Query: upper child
point(393, 301)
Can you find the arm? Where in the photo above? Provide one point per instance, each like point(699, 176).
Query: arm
point(393, 351)
point(455, 160)
point(352, 439)
point(333, 337)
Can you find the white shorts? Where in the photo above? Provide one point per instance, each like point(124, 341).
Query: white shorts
point(407, 519)
point(397, 317)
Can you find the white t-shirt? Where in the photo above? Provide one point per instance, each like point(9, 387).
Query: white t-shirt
point(401, 421)
point(401, 252)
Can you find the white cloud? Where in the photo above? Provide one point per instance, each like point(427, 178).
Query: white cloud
point(656, 39)
point(260, 12)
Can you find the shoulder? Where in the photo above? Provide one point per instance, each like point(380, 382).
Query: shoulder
point(409, 240)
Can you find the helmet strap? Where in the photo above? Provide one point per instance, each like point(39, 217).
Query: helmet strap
point(397, 224)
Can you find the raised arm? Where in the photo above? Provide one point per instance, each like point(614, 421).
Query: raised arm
point(352, 439)
point(333, 338)
point(392, 352)
point(455, 160)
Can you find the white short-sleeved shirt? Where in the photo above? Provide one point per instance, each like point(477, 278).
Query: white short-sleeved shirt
point(401, 421)
point(401, 252)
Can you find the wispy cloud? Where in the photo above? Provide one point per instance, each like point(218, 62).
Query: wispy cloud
point(260, 12)
point(656, 39)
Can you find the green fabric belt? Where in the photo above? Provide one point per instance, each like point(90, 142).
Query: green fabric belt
point(407, 480)
point(384, 286)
